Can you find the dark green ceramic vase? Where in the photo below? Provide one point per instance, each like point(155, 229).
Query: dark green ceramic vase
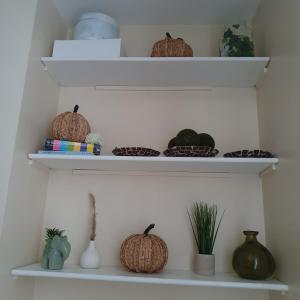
point(252, 260)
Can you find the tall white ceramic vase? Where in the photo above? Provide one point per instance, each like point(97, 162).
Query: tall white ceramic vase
point(90, 258)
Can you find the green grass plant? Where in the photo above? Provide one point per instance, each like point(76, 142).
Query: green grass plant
point(203, 219)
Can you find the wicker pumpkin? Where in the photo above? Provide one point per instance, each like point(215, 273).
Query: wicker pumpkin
point(70, 126)
point(144, 253)
point(170, 47)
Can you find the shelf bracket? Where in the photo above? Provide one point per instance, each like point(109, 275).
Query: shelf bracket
point(31, 162)
point(267, 170)
point(283, 293)
point(261, 79)
point(44, 67)
point(14, 277)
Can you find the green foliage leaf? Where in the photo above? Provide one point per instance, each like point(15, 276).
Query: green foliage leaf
point(228, 34)
point(237, 45)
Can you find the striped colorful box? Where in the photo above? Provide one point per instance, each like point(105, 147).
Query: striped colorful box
point(58, 145)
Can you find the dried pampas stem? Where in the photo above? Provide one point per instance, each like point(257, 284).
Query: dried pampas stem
point(93, 201)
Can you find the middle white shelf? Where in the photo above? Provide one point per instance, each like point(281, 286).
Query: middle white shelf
point(235, 72)
point(155, 164)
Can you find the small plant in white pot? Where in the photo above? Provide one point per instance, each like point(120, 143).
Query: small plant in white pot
point(205, 228)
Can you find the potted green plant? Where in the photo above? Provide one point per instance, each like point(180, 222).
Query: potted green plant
point(203, 219)
point(237, 41)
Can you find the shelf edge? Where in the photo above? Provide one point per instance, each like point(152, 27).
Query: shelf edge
point(281, 287)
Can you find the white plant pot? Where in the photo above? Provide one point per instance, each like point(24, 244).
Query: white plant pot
point(204, 264)
point(90, 258)
point(95, 26)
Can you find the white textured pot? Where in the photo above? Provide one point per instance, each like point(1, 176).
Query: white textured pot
point(96, 26)
point(204, 264)
point(90, 258)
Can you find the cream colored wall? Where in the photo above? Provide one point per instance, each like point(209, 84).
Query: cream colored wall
point(153, 118)
point(126, 204)
point(70, 289)
point(278, 107)
point(29, 102)
point(15, 46)
point(139, 40)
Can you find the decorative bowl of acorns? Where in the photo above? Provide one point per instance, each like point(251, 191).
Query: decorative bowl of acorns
point(188, 143)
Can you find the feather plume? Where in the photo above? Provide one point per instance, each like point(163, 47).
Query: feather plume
point(93, 202)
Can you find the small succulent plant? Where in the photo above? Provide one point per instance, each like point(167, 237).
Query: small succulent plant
point(56, 250)
point(52, 232)
point(94, 138)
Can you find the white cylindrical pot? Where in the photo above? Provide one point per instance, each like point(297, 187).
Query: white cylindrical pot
point(90, 258)
point(96, 26)
point(204, 264)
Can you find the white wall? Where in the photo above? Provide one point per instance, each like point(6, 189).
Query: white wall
point(126, 204)
point(278, 107)
point(16, 37)
point(139, 40)
point(152, 118)
point(29, 102)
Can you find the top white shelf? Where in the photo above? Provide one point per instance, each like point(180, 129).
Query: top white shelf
point(239, 72)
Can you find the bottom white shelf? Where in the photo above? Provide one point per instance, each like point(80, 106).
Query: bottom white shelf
point(168, 277)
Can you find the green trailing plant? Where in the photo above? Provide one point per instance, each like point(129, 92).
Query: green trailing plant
point(237, 45)
point(203, 219)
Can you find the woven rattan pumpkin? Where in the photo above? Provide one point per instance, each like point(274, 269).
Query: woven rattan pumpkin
point(144, 253)
point(70, 126)
point(170, 47)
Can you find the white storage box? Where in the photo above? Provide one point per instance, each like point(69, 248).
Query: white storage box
point(93, 49)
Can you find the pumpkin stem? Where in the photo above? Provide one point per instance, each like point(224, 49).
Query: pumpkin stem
point(76, 107)
point(151, 226)
point(168, 35)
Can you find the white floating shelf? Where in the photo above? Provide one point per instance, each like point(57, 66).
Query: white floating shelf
point(174, 277)
point(236, 72)
point(155, 164)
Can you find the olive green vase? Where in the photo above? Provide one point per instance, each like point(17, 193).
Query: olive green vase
point(252, 260)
